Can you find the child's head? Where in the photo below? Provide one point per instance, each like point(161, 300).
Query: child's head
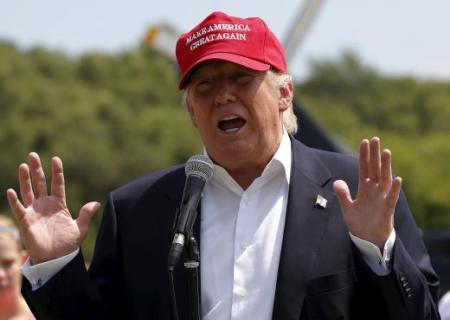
point(11, 258)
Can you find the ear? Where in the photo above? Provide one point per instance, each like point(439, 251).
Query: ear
point(190, 109)
point(286, 96)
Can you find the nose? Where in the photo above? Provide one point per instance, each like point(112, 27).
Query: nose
point(2, 272)
point(225, 93)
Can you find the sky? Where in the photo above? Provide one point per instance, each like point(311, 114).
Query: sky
point(400, 37)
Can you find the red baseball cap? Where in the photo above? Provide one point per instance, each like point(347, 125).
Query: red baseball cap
point(244, 41)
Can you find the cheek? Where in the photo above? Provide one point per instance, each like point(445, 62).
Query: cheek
point(200, 118)
point(12, 278)
point(193, 120)
point(15, 277)
point(268, 113)
point(191, 112)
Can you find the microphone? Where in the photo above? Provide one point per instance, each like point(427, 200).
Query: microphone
point(199, 170)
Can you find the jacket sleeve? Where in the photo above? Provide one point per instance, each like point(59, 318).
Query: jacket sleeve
point(410, 292)
point(412, 269)
point(75, 293)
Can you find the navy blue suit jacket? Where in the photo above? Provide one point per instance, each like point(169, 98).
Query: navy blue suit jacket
point(321, 274)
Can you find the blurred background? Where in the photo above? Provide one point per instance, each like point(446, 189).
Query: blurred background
point(95, 82)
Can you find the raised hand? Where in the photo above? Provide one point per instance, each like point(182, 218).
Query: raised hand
point(370, 216)
point(47, 228)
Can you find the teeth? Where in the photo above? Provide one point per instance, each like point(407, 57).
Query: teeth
point(229, 118)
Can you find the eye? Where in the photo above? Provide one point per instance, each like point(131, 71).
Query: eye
point(203, 85)
point(7, 263)
point(243, 78)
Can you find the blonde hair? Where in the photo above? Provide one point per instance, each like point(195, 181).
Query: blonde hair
point(289, 117)
point(8, 230)
point(279, 80)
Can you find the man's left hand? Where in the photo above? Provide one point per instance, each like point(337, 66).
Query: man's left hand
point(370, 216)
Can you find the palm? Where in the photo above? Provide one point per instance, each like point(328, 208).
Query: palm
point(47, 227)
point(370, 215)
point(50, 228)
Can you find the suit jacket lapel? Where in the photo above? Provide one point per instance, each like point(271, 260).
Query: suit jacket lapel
point(304, 228)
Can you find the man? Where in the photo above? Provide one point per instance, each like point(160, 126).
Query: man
point(281, 234)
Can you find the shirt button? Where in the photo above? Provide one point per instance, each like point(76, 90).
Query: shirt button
point(240, 291)
point(244, 245)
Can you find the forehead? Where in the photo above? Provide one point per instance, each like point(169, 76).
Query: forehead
point(8, 244)
point(8, 253)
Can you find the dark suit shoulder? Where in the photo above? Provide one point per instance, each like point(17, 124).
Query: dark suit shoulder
point(162, 179)
point(338, 162)
point(341, 166)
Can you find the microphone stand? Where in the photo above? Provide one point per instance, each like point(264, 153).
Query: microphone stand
point(192, 264)
point(191, 261)
point(198, 170)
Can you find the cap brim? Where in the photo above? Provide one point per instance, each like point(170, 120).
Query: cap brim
point(237, 59)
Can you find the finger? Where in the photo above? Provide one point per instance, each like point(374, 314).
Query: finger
point(16, 206)
point(58, 187)
point(37, 175)
point(364, 160)
point(343, 194)
point(26, 190)
point(85, 216)
point(394, 193)
point(375, 160)
point(386, 170)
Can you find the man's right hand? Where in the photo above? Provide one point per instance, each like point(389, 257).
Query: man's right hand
point(47, 228)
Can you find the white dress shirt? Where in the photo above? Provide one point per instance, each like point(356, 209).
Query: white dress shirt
point(241, 237)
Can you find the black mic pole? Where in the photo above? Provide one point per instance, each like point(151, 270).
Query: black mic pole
point(198, 170)
point(192, 264)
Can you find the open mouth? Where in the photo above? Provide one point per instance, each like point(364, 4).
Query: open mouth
point(231, 124)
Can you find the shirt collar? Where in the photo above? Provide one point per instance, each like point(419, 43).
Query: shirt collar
point(284, 155)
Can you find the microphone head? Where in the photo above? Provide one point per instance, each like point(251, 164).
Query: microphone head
point(199, 165)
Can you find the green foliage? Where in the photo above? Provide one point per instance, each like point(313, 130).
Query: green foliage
point(111, 118)
point(114, 117)
point(411, 116)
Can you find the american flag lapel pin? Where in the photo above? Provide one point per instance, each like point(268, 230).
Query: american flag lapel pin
point(321, 202)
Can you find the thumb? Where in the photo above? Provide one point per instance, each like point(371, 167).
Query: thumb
point(86, 213)
point(343, 193)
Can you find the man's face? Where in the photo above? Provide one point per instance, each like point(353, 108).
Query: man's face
point(238, 113)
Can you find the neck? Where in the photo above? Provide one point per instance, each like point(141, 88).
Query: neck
point(246, 172)
point(12, 307)
point(245, 176)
